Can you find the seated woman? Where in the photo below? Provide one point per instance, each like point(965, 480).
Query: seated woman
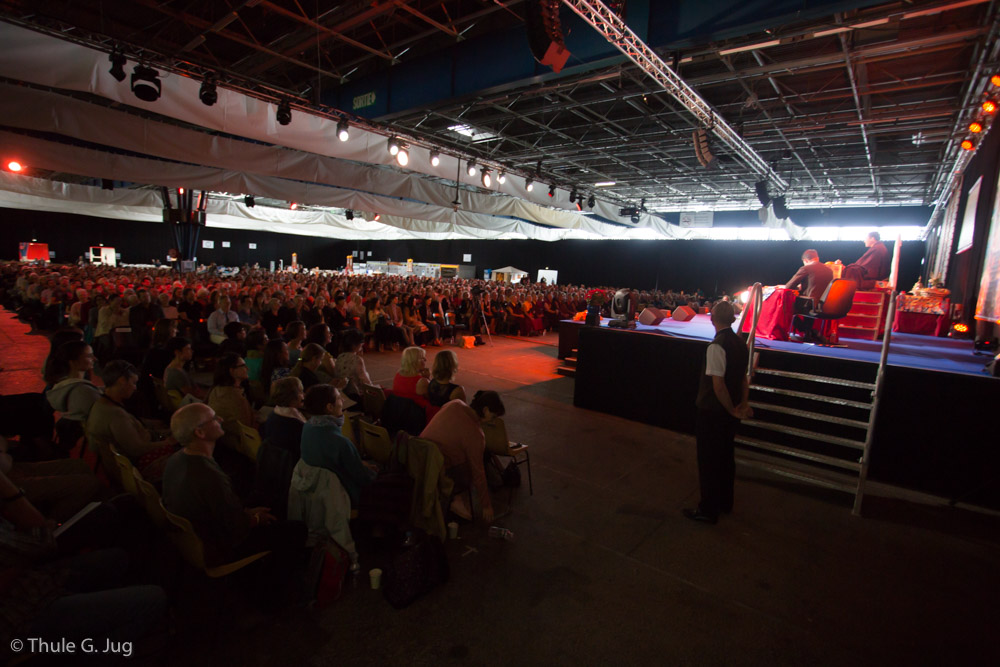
point(350, 365)
point(283, 427)
point(235, 339)
point(321, 335)
point(228, 399)
point(72, 393)
point(324, 446)
point(256, 340)
point(458, 433)
point(176, 377)
point(441, 389)
point(305, 370)
point(276, 363)
point(295, 336)
point(412, 369)
point(411, 318)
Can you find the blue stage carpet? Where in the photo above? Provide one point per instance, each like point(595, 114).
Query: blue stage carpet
point(908, 350)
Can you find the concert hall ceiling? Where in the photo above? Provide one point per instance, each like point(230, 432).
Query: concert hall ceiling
point(845, 104)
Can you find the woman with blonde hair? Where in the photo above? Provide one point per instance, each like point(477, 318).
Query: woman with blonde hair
point(412, 369)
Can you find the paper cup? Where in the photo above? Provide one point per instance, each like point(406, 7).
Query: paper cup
point(375, 575)
point(453, 530)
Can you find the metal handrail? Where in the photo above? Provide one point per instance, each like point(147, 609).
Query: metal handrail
point(876, 395)
point(757, 299)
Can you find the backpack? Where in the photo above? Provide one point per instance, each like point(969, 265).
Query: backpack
point(328, 567)
point(415, 570)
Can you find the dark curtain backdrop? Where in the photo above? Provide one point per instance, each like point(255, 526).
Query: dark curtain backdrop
point(713, 266)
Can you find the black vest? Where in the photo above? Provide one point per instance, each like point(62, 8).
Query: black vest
point(737, 357)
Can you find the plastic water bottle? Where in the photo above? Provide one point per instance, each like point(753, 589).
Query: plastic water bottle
point(501, 533)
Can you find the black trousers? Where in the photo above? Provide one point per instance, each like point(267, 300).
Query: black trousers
point(714, 433)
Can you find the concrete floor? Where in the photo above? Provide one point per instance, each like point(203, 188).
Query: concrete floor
point(605, 570)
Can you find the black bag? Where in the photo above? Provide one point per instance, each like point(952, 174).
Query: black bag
point(511, 475)
point(416, 570)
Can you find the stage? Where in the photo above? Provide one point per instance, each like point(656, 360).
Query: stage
point(933, 431)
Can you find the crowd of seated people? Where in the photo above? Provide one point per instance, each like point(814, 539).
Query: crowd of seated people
point(282, 348)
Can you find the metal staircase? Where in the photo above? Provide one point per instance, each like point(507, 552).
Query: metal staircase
point(811, 427)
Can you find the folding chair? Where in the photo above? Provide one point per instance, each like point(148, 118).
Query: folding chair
point(376, 442)
point(498, 443)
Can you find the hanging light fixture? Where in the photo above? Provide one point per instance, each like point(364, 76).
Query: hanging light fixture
point(403, 155)
point(470, 169)
point(284, 113)
point(486, 179)
point(502, 177)
point(975, 127)
point(342, 132)
point(990, 106)
point(248, 200)
point(393, 146)
point(117, 70)
point(146, 83)
point(293, 206)
point(435, 158)
point(552, 190)
point(591, 201)
point(208, 93)
point(528, 185)
point(349, 214)
point(968, 145)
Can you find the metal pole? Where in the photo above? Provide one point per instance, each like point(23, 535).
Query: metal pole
point(876, 395)
point(757, 294)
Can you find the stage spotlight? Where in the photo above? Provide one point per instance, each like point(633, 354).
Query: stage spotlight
point(572, 195)
point(635, 218)
point(744, 296)
point(378, 216)
point(146, 83)
point(968, 145)
point(995, 80)
point(208, 94)
point(284, 113)
point(403, 155)
point(528, 185)
point(975, 127)
point(486, 179)
point(990, 106)
point(763, 196)
point(579, 204)
point(15, 166)
point(349, 214)
point(984, 345)
point(117, 65)
point(959, 330)
point(552, 191)
point(342, 132)
point(502, 177)
point(780, 211)
point(435, 158)
point(470, 169)
point(591, 201)
point(393, 146)
point(249, 201)
point(293, 206)
point(642, 205)
point(180, 191)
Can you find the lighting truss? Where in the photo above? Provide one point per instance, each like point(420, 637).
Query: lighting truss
point(606, 22)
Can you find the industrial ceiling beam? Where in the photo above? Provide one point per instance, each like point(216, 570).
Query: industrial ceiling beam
point(605, 21)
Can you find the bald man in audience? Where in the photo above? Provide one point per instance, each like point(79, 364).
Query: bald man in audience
point(195, 487)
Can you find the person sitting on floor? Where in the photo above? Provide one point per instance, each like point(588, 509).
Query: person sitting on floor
point(441, 389)
point(325, 446)
point(111, 423)
point(72, 393)
point(196, 488)
point(458, 434)
point(412, 369)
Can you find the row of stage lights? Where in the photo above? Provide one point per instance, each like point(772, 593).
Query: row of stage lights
point(984, 116)
point(249, 201)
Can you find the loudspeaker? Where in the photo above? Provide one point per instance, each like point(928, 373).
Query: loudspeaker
point(652, 316)
point(683, 313)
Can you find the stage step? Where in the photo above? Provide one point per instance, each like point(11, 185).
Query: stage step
point(818, 416)
point(803, 472)
point(569, 364)
point(803, 433)
point(813, 397)
point(816, 378)
point(798, 453)
point(567, 371)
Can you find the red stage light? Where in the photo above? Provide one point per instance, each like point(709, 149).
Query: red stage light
point(989, 106)
point(995, 80)
point(180, 191)
point(968, 145)
point(378, 216)
point(293, 206)
point(15, 166)
point(961, 328)
point(975, 127)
